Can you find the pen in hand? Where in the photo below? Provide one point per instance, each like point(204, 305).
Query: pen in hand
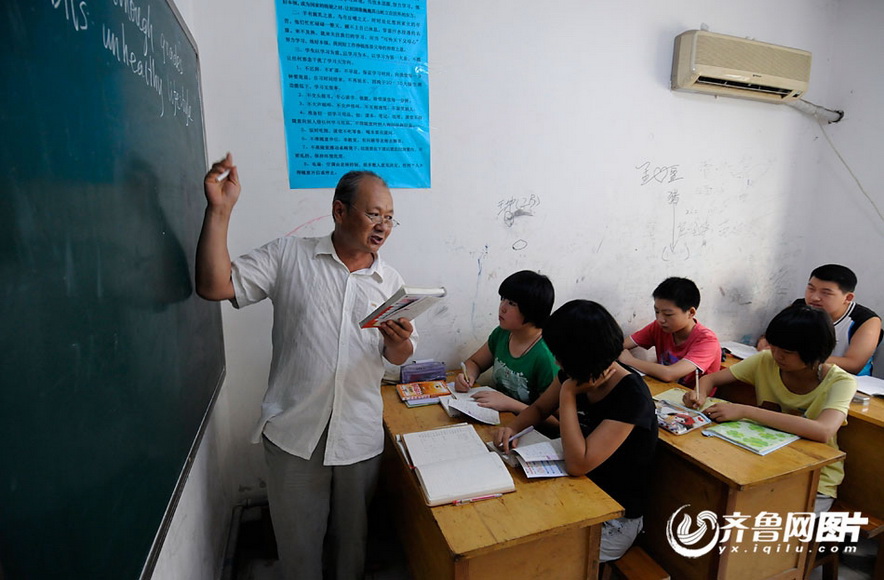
point(466, 375)
point(524, 431)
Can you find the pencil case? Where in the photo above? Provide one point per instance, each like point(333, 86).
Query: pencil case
point(423, 370)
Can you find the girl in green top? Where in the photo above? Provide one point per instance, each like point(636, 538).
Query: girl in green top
point(522, 365)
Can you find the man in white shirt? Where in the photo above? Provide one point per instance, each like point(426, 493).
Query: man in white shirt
point(321, 419)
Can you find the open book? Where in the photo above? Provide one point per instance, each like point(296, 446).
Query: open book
point(752, 436)
point(678, 419)
point(453, 464)
point(537, 454)
point(738, 349)
point(408, 302)
point(675, 417)
point(870, 385)
point(459, 404)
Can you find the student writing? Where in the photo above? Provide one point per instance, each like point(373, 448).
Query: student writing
point(796, 390)
point(606, 415)
point(522, 364)
point(857, 328)
point(683, 345)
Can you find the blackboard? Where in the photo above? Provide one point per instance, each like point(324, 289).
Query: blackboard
point(109, 362)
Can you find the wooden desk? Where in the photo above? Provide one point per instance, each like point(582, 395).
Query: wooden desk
point(712, 474)
point(548, 528)
point(863, 441)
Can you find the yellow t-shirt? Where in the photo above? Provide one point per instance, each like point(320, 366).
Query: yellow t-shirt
point(834, 392)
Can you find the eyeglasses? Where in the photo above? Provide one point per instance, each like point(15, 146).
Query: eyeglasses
point(379, 220)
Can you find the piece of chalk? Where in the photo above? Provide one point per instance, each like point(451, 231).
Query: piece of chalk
point(223, 175)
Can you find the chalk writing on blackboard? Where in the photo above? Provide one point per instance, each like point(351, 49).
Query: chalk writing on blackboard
point(134, 46)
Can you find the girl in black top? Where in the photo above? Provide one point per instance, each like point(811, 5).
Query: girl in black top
point(606, 415)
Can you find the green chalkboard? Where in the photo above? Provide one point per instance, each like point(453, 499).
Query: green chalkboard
point(108, 360)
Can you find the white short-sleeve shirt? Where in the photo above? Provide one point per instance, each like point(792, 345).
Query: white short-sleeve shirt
point(325, 369)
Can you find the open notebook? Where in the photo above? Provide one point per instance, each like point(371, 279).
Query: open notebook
point(452, 463)
point(460, 404)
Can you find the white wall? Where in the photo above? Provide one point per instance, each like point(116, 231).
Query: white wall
point(562, 101)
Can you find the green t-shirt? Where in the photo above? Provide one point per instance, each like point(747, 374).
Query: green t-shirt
point(525, 377)
point(834, 392)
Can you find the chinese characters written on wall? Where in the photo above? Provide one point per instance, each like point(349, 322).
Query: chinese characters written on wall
point(355, 90)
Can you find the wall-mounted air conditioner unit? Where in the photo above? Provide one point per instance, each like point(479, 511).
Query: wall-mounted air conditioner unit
point(705, 62)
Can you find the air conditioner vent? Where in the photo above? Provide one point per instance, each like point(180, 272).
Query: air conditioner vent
point(744, 86)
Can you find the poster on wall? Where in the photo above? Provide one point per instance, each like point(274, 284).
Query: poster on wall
point(355, 90)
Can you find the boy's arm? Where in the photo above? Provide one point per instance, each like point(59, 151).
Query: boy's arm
point(862, 347)
point(820, 429)
point(668, 374)
point(628, 343)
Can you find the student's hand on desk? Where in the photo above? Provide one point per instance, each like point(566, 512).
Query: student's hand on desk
point(627, 357)
point(460, 383)
point(502, 439)
point(497, 401)
point(721, 412)
point(762, 344)
point(693, 400)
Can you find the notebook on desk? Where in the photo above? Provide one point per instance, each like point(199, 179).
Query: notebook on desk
point(751, 436)
point(452, 464)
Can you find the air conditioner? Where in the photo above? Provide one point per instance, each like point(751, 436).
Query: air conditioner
point(706, 62)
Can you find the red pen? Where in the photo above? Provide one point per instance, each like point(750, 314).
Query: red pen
point(473, 499)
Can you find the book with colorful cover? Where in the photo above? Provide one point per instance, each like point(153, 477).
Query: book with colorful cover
point(678, 419)
point(408, 302)
point(752, 436)
point(422, 392)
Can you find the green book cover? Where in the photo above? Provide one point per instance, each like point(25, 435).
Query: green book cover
point(752, 436)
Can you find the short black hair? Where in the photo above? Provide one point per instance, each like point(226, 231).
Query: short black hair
point(584, 338)
point(840, 275)
point(807, 330)
point(681, 291)
point(533, 292)
point(348, 185)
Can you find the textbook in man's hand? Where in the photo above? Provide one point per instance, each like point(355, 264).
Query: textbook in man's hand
point(452, 464)
point(408, 302)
